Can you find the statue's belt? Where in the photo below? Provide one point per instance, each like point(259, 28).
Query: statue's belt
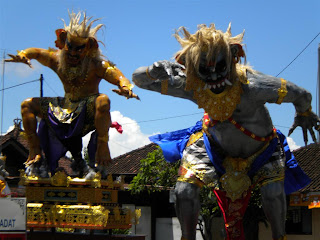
point(208, 122)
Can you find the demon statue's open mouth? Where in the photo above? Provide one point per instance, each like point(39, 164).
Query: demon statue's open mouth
point(214, 74)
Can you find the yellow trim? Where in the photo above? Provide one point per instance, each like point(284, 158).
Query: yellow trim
point(192, 180)
point(306, 113)
point(282, 91)
point(164, 87)
point(148, 74)
point(282, 238)
point(194, 137)
point(267, 181)
point(104, 138)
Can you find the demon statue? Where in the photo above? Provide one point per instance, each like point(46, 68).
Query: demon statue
point(80, 67)
point(4, 187)
point(235, 146)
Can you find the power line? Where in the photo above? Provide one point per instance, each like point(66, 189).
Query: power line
point(281, 126)
point(19, 85)
point(121, 145)
point(160, 119)
point(298, 54)
point(51, 88)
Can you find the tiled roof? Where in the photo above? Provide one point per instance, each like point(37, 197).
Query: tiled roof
point(309, 160)
point(16, 134)
point(65, 163)
point(129, 163)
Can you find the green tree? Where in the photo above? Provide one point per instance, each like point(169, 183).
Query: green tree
point(155, 174)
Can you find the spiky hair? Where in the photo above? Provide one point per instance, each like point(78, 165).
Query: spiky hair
point(207, 40)
point(84, 28)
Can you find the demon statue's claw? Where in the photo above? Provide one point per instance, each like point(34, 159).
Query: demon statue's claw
point(18, 58)
point(307, 122)
point(38, 169)
point(163, 70)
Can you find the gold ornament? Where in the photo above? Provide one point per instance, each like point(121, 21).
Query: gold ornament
point(219, 106)
point(236, 181)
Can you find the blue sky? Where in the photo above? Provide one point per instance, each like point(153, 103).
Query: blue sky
point(137, 33)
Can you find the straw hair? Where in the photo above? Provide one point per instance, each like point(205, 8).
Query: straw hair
point(206, 40)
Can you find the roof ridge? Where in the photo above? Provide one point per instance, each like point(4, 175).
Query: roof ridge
point(135, 150)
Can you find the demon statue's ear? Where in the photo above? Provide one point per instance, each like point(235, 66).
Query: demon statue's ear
point(181, 59)
point(92, 44)
point(61, 38)
point(237, 52)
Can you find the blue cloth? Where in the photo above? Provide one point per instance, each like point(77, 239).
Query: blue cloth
point(173, 144)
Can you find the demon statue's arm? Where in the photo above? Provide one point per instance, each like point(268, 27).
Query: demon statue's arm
point(164, 77)
point(113, 75)
point(264, 88)
point(259, 90)
point(107, 70)
point(43, 56)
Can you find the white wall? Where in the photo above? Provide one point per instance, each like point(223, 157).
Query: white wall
point(132, 208)
point(144, 226)
point(169, 229)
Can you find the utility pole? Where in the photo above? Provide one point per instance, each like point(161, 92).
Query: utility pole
point(2, 95)
point(41, 85)
point(318, 85)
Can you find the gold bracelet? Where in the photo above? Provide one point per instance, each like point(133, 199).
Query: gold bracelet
point(22, 53)
point(164, 87)
point(148, 74)
point(104, 138)
point(282, 91)
point(306, 113)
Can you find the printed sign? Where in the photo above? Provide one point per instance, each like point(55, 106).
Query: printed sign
point(13, 215)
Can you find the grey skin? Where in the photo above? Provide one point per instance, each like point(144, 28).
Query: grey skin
point(252, 114)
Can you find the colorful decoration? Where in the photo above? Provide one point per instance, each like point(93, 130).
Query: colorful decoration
point(66, 202)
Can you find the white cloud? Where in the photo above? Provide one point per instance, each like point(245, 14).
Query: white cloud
point(9, 129)
point(131, 138)
point(292, 144)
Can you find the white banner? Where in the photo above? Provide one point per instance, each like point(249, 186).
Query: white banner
point(13, 212)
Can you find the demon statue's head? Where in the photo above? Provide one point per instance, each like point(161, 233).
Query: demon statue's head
point(209, 55)
point(77, 40)
point(211, 59)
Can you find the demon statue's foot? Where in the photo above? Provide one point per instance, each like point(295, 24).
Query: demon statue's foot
point(103, 171)
point(34, 156)
point(81, 169)
point(103, 157)
point(38, 168)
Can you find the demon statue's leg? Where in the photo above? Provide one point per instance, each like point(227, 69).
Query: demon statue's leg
point(274, 205)
point(187, 208)
point(102, 123)
point(30, 108)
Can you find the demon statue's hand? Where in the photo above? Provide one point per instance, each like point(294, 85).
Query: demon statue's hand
point(161, 70)
point(20, 57)
point(126, 91)
point(307, 121)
